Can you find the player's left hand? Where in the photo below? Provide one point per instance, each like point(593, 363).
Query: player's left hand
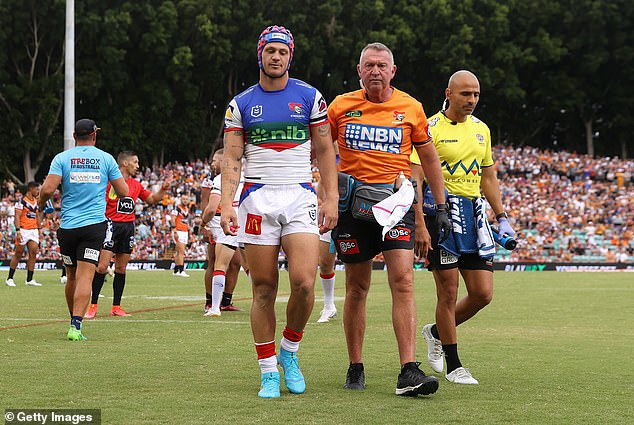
point(505, 227)
point(328, 215)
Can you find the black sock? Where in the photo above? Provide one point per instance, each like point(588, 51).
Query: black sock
point(208, 297)
point(451, 356)
point(434, 331)
point(97, 284)
point(29, 275)
point(226, 299)
point(11, 273)
point(63, 271)
point(118, 283)
point(76, 322)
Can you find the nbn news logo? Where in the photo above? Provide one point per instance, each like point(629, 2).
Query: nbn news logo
point(363, 137)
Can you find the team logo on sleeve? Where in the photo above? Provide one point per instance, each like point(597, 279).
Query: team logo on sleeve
point(229, 112)
point(480, 138)
point(256, 111)
point(322, 105)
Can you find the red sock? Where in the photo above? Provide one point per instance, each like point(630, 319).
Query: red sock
point(265, 349)
point(291, 335)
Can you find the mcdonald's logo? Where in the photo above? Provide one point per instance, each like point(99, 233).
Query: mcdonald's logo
point(254, 224)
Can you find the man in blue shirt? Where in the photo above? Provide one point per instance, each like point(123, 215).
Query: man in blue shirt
point(84, 172)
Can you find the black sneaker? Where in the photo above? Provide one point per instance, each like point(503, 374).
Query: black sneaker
point(355, 378)
point(412, 381)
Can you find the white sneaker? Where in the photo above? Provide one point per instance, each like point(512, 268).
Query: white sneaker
point(327, 314)
point(212, 313)
point(183, 274)
point(9, 282)
point(63, 280)
point(461, 376)
point(434, 349)
point(32, 282)
point(110, 271)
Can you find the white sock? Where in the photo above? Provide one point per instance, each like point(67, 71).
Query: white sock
point(328, 284)
point(268, 365)
point(289, 345)
point(217, 287)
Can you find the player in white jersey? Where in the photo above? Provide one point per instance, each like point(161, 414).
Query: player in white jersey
point(272, 125)
point(225, 246)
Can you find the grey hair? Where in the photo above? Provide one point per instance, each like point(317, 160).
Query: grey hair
point(377, 46)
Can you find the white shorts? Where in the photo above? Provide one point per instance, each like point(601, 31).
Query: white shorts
point(182, 237)
point(27, 235)
point(220, 237)
point(269, 212)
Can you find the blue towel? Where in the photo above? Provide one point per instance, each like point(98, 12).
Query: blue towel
point(470, 228)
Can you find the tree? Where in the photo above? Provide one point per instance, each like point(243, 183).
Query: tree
point(31, 76)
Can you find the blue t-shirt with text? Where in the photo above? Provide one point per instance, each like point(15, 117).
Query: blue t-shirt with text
point(85, 172)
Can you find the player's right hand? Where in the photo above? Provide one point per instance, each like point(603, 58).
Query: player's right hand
point(229, 221)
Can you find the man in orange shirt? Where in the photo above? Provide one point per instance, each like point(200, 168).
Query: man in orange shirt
point(27, 233)
point(376, 129)
point(181, 235)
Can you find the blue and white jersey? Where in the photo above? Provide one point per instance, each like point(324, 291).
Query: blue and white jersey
point(276, 127)
point(85, 172)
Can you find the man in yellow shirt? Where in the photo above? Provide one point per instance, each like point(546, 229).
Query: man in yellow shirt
point(463, 143)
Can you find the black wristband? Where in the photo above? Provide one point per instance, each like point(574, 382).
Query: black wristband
point(501, 216)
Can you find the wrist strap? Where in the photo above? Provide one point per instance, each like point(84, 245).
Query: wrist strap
point(501, 215)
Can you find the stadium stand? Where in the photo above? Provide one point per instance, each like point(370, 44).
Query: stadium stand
point(566, 207)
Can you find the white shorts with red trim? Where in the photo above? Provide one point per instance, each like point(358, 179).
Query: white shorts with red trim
point(269, 212)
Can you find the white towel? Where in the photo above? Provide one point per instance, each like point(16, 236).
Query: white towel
point(486, 245)
point(392, 209)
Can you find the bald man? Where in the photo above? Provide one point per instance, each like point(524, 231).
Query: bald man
point(463, 143)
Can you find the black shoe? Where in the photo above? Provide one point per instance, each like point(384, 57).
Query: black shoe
point(412, 381)
point(355, 378)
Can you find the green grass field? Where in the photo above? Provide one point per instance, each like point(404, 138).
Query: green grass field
point(552, 348)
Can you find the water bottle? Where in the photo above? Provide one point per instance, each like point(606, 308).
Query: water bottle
point(505, 241)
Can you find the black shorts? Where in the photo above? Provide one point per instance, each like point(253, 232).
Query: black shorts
point(359, 240)
point(81, 244)
point(119, 237)
point(439, 259)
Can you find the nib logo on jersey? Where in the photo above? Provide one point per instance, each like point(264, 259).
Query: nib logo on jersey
point(363, 137)
point(278, 136)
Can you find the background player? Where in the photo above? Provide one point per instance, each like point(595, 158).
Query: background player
point(181, 234)
point(28, 230)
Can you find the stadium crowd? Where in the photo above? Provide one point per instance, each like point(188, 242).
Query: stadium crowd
point(565, 206)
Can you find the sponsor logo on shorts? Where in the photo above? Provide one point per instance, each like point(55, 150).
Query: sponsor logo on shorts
point(398, 234)
point(447, 258)
point(66, 260)
point(91, 254)
point(254, 224)
point(349, 246)
point(488, 262)
point(312, 213)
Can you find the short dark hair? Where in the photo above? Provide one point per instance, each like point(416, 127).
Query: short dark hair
point(124, 156)
point(32, 185)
